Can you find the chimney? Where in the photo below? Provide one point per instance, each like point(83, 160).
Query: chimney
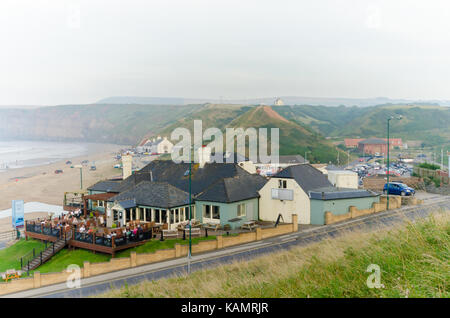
point(127, 162)
point(204, 156)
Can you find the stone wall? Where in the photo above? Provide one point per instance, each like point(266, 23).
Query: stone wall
point(395, 202)
point(377, 183)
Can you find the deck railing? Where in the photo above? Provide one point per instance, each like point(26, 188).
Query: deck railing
point(48, 230)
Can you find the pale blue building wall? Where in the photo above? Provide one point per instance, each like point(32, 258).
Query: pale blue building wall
point(228, 211)
point(337, 207)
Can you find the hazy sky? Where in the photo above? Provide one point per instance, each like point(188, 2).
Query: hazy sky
point(60, 52)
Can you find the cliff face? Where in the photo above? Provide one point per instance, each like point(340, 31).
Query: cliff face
point(123, 124)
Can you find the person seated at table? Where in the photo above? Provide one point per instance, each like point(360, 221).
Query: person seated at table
point(82, 228)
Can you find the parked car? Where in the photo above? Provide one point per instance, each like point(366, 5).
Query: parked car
point(92, 168)
point(398, 188)
point(68, 162)
point(58, 171)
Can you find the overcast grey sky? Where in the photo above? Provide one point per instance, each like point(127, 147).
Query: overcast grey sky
point(60, 52)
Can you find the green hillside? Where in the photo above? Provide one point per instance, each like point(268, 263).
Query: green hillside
point(303, 128)
point(295, 138)
point(427, 123)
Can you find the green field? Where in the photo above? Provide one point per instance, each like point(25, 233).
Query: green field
point(414, 261)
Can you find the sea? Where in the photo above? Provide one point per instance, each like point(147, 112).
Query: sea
point(21, 154)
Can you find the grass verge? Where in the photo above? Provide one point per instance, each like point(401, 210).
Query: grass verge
point(413, 258)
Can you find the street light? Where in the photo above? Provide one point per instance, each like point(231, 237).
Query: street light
point(306, 152)
point(387, 189)
point(81, 175)
point(190, 212)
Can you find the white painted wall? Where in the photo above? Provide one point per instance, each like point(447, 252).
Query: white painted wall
point(343, 179)
point(270, 208)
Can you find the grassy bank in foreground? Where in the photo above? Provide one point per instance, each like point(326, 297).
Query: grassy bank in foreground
point(414, 262)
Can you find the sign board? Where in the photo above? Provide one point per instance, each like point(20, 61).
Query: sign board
point(18, 212)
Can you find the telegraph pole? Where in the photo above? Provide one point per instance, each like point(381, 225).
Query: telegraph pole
point(190, 213)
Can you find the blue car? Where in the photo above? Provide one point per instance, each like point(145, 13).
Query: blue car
point(398, 188)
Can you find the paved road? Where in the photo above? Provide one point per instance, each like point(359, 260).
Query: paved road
point(99, 284)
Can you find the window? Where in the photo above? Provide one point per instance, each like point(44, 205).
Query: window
point(148, 215)
point(163, 216)
point(100, 204)
point(207, 211)
point(216, 212)
point(241, 209)
point(172, 219)
point(283, 194)
point(186, 213)
point(157, 216)
point(282, 184)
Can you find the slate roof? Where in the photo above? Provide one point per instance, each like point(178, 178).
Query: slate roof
point(234, 189)
point(333, 193)
point(154, 194)
point(291, 159)
point(106, 186)
point(126, 204)
point(153, 143)
point(176, 175)
point(307, 177)
point(372, 141)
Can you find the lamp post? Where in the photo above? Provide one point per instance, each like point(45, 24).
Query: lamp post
point(81, 175)
point(190, 213)
point(387, 189)
point(306, 153)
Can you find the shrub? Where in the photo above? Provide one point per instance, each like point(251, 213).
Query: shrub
point(430, 166)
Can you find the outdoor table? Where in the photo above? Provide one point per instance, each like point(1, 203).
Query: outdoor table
point(249, 225)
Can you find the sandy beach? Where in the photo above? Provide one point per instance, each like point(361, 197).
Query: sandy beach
point(41, 184)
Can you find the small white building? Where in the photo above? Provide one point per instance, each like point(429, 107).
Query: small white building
point(272, 168)
point(287, 193)
point(278, 102)
point(156, 145)
point(343, 179)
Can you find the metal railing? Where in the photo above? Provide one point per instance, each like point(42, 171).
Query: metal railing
point(26, 259)
point(114, 241)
